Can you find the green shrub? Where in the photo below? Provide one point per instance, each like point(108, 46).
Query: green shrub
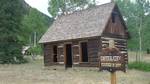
point(36, 50)
point(143, 66)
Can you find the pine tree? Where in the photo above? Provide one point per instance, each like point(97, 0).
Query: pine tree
point(11, 13)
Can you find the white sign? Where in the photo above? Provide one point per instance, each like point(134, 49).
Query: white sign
point(110, 58)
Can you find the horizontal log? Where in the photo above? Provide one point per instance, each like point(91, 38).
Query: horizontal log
point(121, 43)
point(75, 46)
point(105, 41)
point(108, 38)
point(60, 46)
point(121, 46)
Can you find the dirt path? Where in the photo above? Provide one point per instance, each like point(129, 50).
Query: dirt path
point(35, 73)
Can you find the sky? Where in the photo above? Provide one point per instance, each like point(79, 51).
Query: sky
point(42, 5)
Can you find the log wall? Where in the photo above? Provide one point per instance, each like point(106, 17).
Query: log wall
point(93, 46)
point(93, 50)
point(48, 58)
point(121, 44)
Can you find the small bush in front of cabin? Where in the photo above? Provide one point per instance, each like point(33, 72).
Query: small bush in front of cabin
point(143, 66)
point(36, 50)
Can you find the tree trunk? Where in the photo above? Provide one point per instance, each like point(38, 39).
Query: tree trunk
point(34, 39)
point(140, 40)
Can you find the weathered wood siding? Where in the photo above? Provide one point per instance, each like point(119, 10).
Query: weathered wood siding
point(48, 58)
point(93, 46)
point(93, 50)
point(75, 52)
point(60, 53)
point(121, 44)
point(117, 32)
point(117, 28)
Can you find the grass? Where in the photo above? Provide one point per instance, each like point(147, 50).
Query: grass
point(143, 66)
point(34, 72)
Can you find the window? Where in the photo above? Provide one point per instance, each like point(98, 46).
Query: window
point(114, 14)
point(84, 52)
point(54, 53)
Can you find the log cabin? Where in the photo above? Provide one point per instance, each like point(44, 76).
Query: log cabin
point(77, 39)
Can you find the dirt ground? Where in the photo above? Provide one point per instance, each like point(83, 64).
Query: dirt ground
point(36, 73)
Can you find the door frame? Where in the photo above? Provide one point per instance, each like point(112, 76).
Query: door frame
point(55, 54)
point(80, 50)
point(65, 55)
